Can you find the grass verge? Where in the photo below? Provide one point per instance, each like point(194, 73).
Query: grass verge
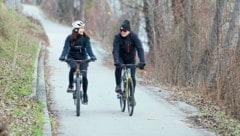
point(19, 38)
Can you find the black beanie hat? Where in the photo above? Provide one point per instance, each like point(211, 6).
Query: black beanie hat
point(126, 25)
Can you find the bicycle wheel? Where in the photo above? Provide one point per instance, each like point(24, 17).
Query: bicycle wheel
point(78, 97)
point(130, 101)
point(122, 98)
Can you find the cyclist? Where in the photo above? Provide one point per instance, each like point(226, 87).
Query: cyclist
point(77, 46)
point(125, 45)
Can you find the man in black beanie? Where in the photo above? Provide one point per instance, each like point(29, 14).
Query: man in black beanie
point(126, 25)
point(125, 45)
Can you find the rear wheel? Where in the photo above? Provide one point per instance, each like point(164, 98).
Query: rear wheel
point(78, 99)
point(131, 100)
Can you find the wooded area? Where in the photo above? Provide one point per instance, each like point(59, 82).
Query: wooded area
point(192, 44)
point(200, 50)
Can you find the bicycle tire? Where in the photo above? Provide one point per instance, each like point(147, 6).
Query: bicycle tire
point(130, 101)
point(122, 102)
point(122, 98)
point(78, 97)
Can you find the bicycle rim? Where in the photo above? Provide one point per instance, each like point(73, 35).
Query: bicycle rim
point(130, 102)
point(78, 98)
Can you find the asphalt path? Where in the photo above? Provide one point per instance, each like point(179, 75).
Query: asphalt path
point(153, 115)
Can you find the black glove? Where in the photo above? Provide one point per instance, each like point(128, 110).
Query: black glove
point(62, 58)
point(141, 65)
point(93, 58)
point(117, 64)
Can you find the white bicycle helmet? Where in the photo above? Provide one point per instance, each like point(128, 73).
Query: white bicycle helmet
point(77, 24)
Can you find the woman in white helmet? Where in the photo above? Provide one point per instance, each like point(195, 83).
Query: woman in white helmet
point(77, 46)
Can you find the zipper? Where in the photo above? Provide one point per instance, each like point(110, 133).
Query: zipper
point(128, 47)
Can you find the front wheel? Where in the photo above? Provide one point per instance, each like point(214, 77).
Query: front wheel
point(131, 99)
point(122, 102)
point(78, 98)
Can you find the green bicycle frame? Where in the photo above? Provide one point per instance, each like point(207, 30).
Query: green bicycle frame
point(127, 79)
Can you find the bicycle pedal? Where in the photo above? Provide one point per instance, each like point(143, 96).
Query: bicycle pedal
point(70, 90)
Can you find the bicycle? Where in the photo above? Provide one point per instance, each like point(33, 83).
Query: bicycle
point(127, 96)
point(78, 77)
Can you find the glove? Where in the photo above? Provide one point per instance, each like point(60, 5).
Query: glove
point(117, 64)
point(62, 58)
point(141, 65)
point(93, 58)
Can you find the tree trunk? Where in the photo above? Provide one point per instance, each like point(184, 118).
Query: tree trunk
point(238, 46)
point(215, 42)
point(187, 59)
point(209, 57)
point(149, 29)
point(152, 35)
point(234, 23)
point(177, 8)
point(158, 36)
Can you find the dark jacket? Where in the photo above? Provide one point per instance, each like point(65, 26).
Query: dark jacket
point(80, 50)
point(124, 49)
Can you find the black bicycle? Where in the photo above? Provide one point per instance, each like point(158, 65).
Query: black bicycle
point(78, 77)
point(127, 96)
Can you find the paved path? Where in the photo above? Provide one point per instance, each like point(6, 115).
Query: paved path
point(153, 115)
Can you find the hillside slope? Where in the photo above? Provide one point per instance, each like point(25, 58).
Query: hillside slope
point(19, 38)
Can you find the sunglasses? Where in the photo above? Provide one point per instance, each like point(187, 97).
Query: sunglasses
point(123, 30)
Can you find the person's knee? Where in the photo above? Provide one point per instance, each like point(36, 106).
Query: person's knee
point(118, 69)
point(72, 70)
point(85, 78)
point(84, 74)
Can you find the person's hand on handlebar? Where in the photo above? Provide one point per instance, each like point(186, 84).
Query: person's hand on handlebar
point(93, 58)
point(117, 64)
point(141, 65)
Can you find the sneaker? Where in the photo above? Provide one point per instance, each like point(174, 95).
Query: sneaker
point(118, 89)
point(70, 90)
point(85, 99)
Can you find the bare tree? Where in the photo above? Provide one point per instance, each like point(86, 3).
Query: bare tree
point(228, 89)
point(76, 10)
point(148, 14)
point(187, 58)
point(177, 8)
point(238, 45)
point(210, 54)
point(234, 23)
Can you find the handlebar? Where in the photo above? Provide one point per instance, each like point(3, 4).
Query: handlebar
point(129, 65)
point(79, 61)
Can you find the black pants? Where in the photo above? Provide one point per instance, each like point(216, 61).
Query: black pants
point(118, 74)
point(85, 79)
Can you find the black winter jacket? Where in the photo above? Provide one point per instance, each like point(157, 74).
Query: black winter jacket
point(80, 50)
point(124, 49)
